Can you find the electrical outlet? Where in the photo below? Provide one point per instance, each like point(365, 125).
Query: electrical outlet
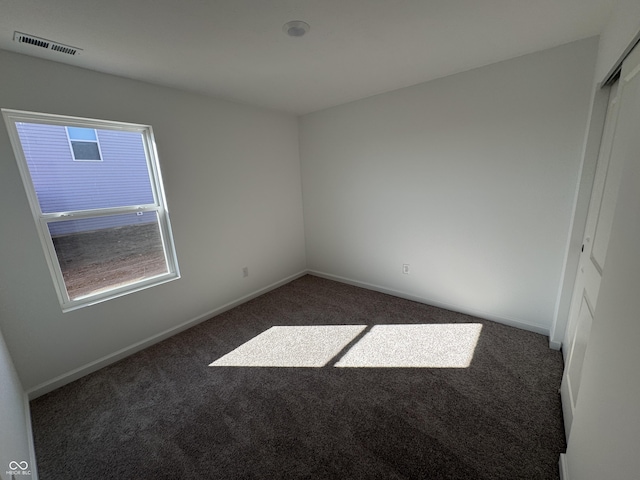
point(405, 268)
point(245, 272)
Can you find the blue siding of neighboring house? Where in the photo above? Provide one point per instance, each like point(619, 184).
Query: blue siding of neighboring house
point(63, 184)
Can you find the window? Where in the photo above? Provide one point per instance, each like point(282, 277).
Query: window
point(103, 224)
point(84, 144)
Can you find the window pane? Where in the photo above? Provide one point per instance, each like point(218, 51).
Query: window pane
point(102, 253)
point(85, 150)
point(63, 185)
point(77, 133)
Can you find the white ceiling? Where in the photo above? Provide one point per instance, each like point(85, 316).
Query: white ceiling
point(236, 49)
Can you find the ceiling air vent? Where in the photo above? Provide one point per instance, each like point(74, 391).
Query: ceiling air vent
point(44, 43)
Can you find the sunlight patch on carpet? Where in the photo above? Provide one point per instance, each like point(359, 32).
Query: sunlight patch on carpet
point(450, 345)
point(292, 346)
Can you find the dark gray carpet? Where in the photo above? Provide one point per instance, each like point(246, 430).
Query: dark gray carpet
point(165, 414)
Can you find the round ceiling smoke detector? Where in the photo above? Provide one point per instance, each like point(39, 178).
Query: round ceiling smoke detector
point(295, 28)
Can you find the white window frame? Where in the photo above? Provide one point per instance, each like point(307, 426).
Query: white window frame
point(73, 152)
point(12, 117)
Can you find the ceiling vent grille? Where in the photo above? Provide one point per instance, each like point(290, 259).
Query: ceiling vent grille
point(46, 44)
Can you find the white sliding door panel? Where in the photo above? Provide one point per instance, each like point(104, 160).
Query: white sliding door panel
point(619, 133)
point(605, 216)
point(588, 277)
point(579, 347)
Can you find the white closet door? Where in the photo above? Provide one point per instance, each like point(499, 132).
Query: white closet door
point(624, 101)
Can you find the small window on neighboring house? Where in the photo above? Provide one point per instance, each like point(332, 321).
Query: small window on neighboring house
point(104, 223)
point(84, 144)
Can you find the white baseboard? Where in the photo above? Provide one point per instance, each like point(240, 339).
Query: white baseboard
point(455, 308)
point(553, 345)
point(79, 372)
point(564, 468)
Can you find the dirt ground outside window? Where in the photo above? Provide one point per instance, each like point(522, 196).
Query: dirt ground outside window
point(92, 262)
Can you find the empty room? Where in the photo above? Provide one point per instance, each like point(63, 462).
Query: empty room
point(320, 239)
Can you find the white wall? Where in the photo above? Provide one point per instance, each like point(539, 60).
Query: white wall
point(605, 433)
point(14, 443)
point(232, 179)
point(470, 179)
